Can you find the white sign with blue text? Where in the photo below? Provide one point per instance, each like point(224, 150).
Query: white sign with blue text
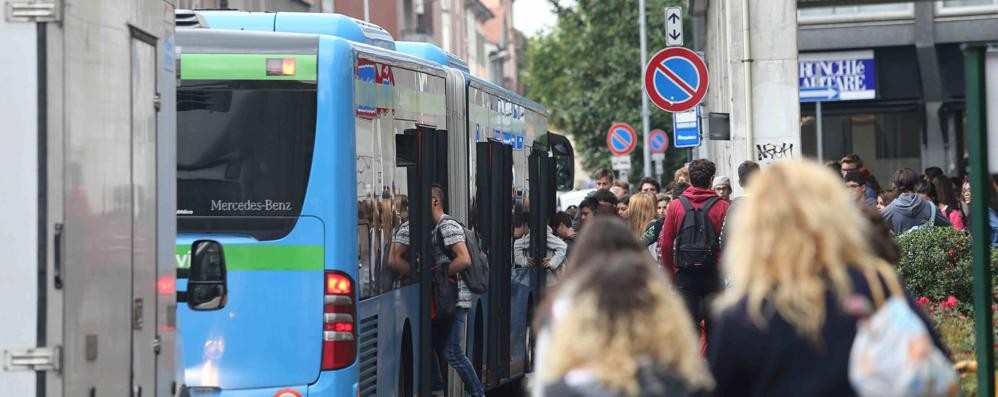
point(837, 76)
point(686, 128)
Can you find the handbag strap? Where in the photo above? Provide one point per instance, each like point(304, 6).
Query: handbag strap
point(876, 277)
point(935, 214)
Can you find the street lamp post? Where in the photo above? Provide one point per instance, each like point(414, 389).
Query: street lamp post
point(646, 152)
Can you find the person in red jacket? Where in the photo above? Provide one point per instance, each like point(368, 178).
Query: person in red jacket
point(696, 284)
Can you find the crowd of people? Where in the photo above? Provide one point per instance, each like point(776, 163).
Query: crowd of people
point(685, 290)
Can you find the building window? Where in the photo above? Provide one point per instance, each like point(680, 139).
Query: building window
point(871, 12)
point(964, 7)
point(885, 141)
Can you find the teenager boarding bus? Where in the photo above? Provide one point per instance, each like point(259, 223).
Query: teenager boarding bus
point(323, 224)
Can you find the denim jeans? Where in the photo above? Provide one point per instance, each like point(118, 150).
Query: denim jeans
point(447, 334)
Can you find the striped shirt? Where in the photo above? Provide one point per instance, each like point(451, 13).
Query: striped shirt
point(452, 233)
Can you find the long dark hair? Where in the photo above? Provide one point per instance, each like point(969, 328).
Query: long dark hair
point(945, 193)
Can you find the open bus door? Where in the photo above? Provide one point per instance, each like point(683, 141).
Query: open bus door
point(429, 149)
point(495, 192)
point(542, 207)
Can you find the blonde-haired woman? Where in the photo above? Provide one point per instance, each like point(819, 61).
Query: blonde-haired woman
point(797, 252)
point(640, 213)
point(617, 329)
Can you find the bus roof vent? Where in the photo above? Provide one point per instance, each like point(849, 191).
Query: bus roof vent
point(188, 19)
point(432, 53)
point(337, 25)
point(334, 25)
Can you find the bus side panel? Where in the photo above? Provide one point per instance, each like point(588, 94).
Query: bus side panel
point(389, 312)
point(19, 232)
point(332, 189)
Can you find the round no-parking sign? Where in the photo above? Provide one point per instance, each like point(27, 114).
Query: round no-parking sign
point(658, 141)
point(621, 139)
point(676, 79)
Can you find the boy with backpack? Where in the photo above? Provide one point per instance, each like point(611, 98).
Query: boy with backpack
point(451, 257)
point(689, 244)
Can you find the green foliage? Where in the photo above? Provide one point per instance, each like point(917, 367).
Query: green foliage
point(936, 262)
point(587, 71)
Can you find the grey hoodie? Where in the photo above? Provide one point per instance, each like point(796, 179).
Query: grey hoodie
point(910, 210)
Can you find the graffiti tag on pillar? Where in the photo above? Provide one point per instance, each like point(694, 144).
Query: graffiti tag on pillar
point(773, 151)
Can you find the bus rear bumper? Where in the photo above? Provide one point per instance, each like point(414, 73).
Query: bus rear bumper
point(342, 383)
point(329, 384)
point(291, 391)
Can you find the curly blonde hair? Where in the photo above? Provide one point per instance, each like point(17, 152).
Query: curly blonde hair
point(623, 312)
point(795, 231)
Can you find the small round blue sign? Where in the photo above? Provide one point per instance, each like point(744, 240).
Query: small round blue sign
point(658, 141)
point(621, 139)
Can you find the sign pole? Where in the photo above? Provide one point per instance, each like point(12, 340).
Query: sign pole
point(977, 121)
point(644, 98)
point(821, 143)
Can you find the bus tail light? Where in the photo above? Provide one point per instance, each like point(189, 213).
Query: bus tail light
point(339, 331)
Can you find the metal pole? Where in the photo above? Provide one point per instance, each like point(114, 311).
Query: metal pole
point(644, 98)
point(747, 79)
point(821, 140)
point(367, 11)
point(973, 58)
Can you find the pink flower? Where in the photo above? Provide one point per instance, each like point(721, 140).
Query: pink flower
point(923, 302)
point(950, 302)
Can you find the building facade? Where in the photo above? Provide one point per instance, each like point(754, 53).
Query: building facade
point(915, 116)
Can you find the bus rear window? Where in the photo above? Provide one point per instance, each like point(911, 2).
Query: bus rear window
point(244, 150)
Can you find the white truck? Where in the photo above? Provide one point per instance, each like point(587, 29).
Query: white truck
point(87, 138)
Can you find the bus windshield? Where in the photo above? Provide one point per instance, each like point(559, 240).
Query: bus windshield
point(244, 153)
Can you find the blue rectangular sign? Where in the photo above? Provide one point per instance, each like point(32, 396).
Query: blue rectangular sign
point(837, 76)
point(686, 128)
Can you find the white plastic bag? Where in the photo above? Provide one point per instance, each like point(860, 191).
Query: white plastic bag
point(893, 353)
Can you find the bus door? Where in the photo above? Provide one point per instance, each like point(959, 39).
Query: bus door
point(495, 192)
point(542, 207)
point(429, 145)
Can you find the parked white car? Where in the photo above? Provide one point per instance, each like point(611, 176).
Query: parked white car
point(574, 197)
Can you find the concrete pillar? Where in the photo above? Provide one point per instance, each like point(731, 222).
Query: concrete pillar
point(935, 148)
point(775, 107)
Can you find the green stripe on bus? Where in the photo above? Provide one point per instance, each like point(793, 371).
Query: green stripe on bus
point(263, 257)
point(242, 67)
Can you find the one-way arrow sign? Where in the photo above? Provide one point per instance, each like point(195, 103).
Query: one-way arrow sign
point(674, 26)
point(818, 94)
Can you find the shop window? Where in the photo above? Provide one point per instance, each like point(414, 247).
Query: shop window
point(964, 7)
point(853, 13)
point(885, 141)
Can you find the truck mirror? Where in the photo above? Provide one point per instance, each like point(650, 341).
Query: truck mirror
point(206, 285)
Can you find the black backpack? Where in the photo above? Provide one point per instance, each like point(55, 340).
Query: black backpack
point(696, 244)
point(476, 276)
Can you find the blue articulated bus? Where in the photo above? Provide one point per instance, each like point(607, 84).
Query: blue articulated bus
point(306, 144)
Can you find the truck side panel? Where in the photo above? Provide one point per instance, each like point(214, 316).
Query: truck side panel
point(18, 231)
point(105, 67)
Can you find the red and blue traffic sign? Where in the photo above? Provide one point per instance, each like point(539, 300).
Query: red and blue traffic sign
point(658, 141)
point(676, 79)
point(621, 139)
